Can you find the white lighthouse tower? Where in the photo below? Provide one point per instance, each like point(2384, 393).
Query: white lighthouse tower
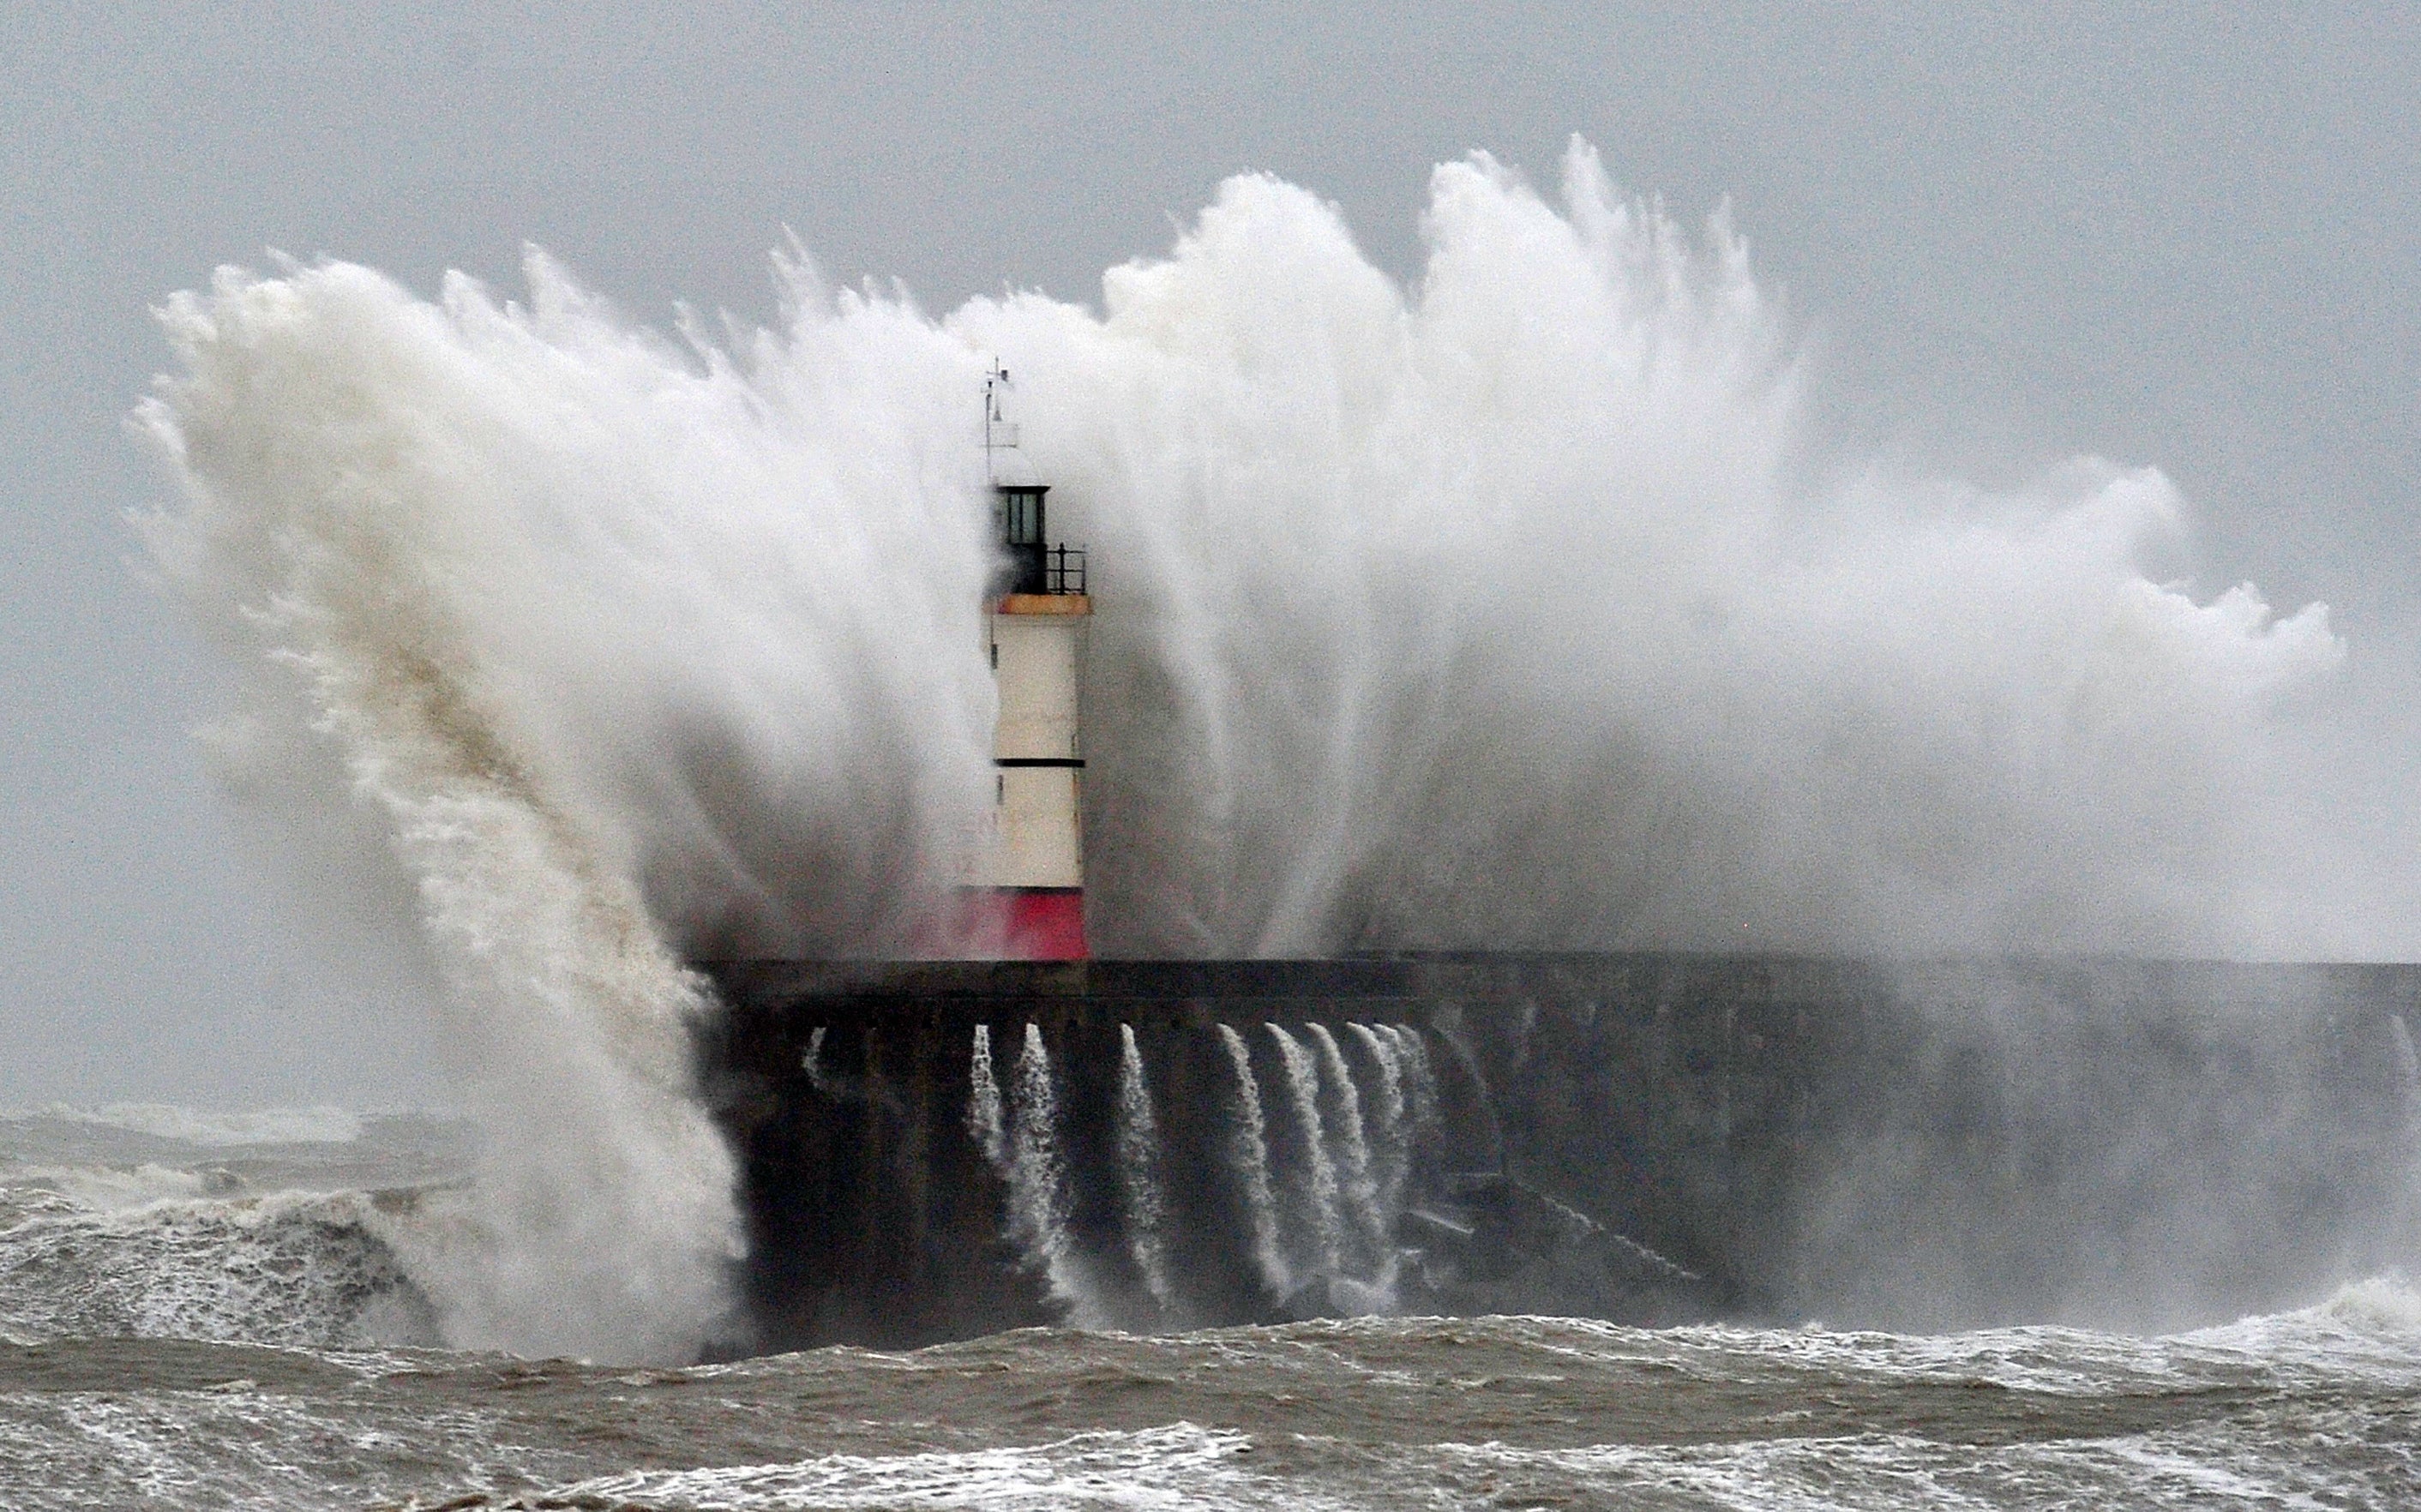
point(1030, 877)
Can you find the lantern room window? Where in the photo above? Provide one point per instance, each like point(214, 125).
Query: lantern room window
point(1021, 515)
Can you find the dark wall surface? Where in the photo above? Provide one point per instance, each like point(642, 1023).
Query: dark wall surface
point(1644, 1137)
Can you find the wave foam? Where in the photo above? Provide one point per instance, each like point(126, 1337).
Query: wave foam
point(2383, 1304)
point(293, 1268)
point(1179, 1465)
point(191, 1125)
point(107, 1188)
point(2370, 1326)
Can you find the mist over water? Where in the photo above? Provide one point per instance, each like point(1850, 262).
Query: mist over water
point(1493, 612)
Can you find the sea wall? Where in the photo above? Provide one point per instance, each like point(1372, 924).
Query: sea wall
point(1648, 1137)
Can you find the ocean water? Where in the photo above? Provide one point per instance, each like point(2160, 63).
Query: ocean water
point(206, 1312)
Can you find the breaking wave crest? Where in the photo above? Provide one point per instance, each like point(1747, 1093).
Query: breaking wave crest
point(273, 1126)
point(609, 651)
point(296, 1268)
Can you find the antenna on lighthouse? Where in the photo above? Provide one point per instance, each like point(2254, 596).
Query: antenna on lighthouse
point(999, 435)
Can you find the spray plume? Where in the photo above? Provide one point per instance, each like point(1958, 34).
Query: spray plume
point(1486, 613)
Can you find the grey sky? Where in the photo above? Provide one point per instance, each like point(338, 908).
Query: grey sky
point(2163, 233)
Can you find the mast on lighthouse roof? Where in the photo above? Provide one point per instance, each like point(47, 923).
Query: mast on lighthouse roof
point(1033, 866)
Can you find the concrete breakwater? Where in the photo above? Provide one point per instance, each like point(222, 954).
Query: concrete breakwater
point(934, 1151)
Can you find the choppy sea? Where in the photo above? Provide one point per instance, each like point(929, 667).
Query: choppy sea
point(202, 1311)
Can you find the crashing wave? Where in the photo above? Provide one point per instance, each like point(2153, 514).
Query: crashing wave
point(298, 1268)
point(593, 651)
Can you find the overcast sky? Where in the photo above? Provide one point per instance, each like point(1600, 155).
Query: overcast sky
point(2157, 233)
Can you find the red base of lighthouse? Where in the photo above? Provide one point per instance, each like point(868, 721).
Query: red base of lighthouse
point(1043, 923)
point(1017, 924)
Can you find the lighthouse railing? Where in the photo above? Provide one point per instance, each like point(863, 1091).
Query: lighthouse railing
point(1064, 570)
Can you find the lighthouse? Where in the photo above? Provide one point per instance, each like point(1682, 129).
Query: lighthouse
point(1030, 875)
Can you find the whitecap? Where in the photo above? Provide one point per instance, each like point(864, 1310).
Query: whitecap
point(196, 1126)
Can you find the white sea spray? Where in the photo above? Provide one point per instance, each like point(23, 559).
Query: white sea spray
point(1489, 612)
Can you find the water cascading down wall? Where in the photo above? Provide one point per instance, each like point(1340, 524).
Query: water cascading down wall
point(937, 1150)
